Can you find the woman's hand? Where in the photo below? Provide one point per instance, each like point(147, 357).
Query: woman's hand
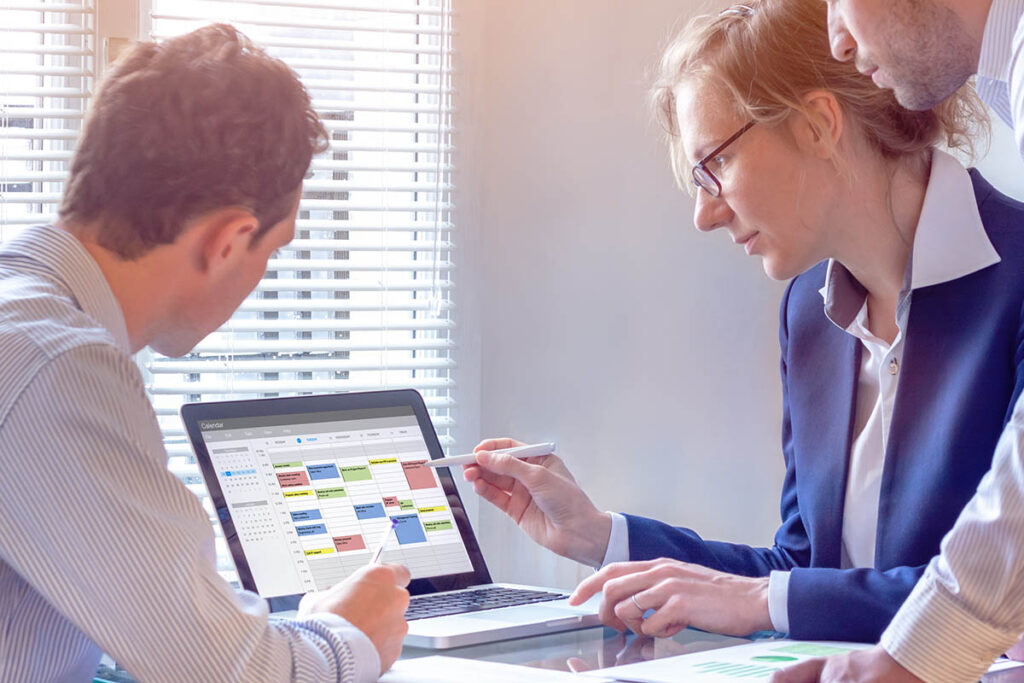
point(541, 496)
point(680, 594)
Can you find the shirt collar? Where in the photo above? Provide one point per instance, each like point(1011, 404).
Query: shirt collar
point(66, 259)
point(997, 41)
point(950, 242)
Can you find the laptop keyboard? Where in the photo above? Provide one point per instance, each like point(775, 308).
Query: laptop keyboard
point(424, 606)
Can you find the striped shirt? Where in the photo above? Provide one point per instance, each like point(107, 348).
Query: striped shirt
point(968, 607)
point(101, 548)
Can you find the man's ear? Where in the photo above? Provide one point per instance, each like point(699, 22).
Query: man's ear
point(221, 236)
point(819, 127)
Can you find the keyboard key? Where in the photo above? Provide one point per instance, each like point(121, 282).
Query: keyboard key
point(426, 606)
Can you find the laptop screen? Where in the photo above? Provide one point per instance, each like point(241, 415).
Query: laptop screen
point(311, 495)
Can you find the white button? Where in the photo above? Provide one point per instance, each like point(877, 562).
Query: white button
point(894, 366)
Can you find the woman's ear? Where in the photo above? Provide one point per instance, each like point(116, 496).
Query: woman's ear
point(819, 127)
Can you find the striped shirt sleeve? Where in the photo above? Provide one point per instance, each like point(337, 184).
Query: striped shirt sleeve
point(114, 548)
point(968, 608)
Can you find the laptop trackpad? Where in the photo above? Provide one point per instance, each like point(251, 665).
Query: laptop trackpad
point(523, 614)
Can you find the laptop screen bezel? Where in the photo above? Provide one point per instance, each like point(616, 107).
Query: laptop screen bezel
point(193, 414)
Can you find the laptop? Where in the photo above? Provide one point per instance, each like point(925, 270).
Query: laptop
point(306, 487)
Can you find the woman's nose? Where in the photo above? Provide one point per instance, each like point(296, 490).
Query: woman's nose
point(710, 213)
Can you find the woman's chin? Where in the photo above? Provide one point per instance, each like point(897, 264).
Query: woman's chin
point(781, 270)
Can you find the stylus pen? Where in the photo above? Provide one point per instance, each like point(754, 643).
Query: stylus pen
point(383, 542)
point(518, 451)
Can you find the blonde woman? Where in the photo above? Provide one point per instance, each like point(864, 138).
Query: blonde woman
point(901, 335)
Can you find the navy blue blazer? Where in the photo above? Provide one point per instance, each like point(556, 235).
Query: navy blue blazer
point(962, 370)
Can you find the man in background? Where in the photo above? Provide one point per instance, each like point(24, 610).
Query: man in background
point(968, 607)
point(186, 180)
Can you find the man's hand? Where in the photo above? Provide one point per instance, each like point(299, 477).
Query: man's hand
point(545, 501)
point(867, 665)
point(681, 595)
point(373, 599)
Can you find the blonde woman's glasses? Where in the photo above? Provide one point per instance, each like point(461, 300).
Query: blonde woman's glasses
point(703, 177)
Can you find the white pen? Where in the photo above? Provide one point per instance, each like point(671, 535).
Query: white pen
point(518, 451)
point(383, 542)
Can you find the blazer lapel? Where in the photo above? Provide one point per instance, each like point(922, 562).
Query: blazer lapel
point(824, 444)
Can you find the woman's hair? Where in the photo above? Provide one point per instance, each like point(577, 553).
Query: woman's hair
point(766, 55)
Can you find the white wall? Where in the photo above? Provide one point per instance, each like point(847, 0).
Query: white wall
point(593, 311)
point(590, 310)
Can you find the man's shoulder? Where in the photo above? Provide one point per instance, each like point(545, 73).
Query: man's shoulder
point(41, 319)
point(39, 324)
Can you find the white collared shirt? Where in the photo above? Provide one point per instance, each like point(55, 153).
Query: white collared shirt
point(950, 242)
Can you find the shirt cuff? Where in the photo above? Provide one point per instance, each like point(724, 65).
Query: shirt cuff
point(938, 641)
point(778, 601)
point(618, 541)
point(365, 660)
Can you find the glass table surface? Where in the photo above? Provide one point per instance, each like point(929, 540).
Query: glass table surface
point(599, 648)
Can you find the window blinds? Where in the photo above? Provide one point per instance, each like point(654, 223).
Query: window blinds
point(361, 299)
point(46, 72)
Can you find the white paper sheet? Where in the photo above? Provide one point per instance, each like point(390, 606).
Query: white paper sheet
point(751, 662)
point(440, 669)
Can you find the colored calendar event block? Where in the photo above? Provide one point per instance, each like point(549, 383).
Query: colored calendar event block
point(356, 473)
point(391, 502)
point(418, 475)
point(408, 529)
point(343, 543)
point(369, 510)
point(287, 479)
point(328, 471)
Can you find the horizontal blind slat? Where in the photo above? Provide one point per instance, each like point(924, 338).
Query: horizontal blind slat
point(344, 245)
point(347, 285)
point(212, 345)
point(340, 325)
point(46, 28)
point(385, 223)
point(284, 386)
point(351, 27)
point(389, 7)
point(52, 7)
point(432, 402)
point(332, 306)
point(319, 265)
point(173, 366)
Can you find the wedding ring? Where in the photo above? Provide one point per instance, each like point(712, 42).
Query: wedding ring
point(633, 598)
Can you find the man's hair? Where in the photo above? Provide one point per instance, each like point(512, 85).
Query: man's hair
point(176, 129)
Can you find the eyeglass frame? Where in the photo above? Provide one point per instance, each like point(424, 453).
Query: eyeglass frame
point(701, 166)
